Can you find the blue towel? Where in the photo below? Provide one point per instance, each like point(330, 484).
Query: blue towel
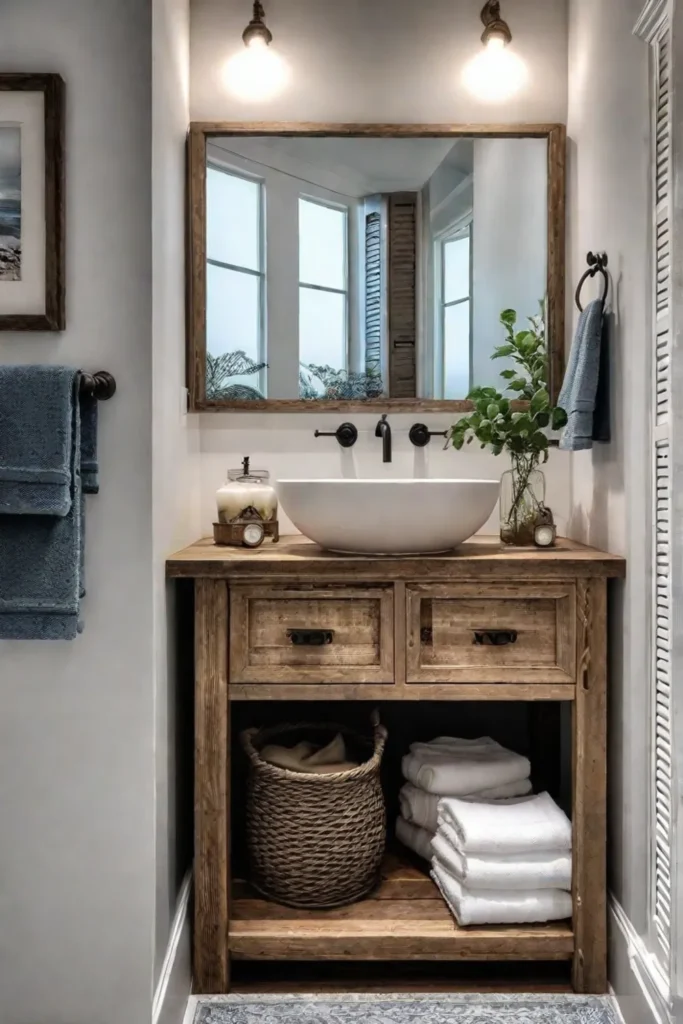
point(46, 430)
point(580, 386)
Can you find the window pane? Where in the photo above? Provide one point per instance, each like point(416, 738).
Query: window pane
point(456, 269)
point(232, 326)
point(322, 245)
point(322, 331)
point(232, 219)
point(457, 350)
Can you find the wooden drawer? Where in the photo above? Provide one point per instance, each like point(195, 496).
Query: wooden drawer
point(450, 628)
point(266, 647)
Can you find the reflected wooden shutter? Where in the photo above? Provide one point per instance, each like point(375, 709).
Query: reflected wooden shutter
point(373, 293)
point(402, 294)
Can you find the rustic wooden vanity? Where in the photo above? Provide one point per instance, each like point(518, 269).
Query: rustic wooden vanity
point(404, 629)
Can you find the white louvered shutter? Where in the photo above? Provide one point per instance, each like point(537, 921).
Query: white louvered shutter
point(662, 718)
point(373, 293)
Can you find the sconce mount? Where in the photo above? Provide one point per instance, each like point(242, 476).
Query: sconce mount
point(257, 28)
point(494, 25)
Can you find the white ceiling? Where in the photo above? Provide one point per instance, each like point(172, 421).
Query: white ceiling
point(368, 165)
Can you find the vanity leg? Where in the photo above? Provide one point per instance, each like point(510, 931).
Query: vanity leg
point(211, 968)
point(589, 971)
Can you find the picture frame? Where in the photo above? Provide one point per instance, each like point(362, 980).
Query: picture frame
point(32, 217)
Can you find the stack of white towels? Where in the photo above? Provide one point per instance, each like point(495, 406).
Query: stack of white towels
point(498, 854)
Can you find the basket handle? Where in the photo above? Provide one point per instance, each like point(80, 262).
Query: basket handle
point(246, 737)
point(379, 732)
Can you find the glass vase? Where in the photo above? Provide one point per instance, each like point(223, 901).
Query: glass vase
point(522, 496)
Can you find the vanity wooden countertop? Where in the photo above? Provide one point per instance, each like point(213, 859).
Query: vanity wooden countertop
point(480, 557)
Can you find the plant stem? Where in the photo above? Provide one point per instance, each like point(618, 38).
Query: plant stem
point(522, 468)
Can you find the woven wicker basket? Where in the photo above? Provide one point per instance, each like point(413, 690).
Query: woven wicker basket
point(315, 841)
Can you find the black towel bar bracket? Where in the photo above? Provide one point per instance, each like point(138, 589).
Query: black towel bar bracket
point(101, 385)
point(597, 264)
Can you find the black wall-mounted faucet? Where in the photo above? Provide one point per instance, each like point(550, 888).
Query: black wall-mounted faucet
point(346, 434)
point(383, 430)
point(420, 435)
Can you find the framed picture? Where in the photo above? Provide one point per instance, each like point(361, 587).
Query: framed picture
point(31, 202)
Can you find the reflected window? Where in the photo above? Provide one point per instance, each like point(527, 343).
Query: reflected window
point(323, 296)
point(454, 305)
point(235, 286)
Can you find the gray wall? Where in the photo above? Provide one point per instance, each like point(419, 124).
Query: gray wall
point(609, 209)
point(77, 720)
point(388, 60)
point(175, 461)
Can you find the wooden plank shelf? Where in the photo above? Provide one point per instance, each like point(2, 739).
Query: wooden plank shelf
point(405, 919)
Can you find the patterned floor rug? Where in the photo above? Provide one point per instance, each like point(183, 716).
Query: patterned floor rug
point(390, 1009)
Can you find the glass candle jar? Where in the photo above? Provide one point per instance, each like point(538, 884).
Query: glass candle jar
point(246, 496)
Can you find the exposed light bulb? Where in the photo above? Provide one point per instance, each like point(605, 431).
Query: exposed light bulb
point(257, 72)
point(496, 73)
point(495, 42)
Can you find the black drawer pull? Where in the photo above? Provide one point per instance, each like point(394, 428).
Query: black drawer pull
point(310, 637)
point(495, 637)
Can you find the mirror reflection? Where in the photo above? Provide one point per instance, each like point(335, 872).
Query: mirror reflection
point(363, 268)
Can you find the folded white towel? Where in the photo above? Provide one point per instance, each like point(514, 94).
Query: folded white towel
point(529, 825)
point(415, 838)
point(460, 767)
point(552, 870)
point(421, 808)
point(456, 743)
point(486, 906)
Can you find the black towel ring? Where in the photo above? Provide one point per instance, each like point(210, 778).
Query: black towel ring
point(597, 263)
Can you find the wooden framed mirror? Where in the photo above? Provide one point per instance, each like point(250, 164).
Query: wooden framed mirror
point(351, 267)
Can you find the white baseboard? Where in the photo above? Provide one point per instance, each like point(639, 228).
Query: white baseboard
point(175, 981)
point(191, 1010)
point(639, 987)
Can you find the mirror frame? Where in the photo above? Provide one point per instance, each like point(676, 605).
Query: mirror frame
point(200, 131)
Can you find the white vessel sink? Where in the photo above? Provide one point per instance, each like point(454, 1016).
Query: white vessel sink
point(387, 517)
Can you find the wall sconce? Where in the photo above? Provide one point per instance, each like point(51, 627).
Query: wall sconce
point(257, 72)
point(496, 73)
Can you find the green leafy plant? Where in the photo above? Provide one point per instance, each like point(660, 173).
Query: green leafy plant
point(337, 384)
point(219, 371)
point(501, 423)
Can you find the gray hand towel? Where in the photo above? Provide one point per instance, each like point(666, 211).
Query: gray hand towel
point(602, 417)
point(36, 439)
point(579, 389)
point(42, 438)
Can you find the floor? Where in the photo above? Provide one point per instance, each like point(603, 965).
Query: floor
point(396, 1008)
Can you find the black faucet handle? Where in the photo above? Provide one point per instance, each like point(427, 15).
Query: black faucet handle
point(420, 435)
point(346, 434)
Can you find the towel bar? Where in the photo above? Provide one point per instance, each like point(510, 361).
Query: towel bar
point(100, 384)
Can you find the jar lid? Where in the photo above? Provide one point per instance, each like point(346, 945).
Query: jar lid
point(247, 475)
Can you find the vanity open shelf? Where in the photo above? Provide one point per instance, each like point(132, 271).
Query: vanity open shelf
point(405, 630)
point(405, 919)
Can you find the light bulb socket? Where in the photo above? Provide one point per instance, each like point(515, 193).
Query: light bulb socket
point(257, 28)
point(494, 25)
